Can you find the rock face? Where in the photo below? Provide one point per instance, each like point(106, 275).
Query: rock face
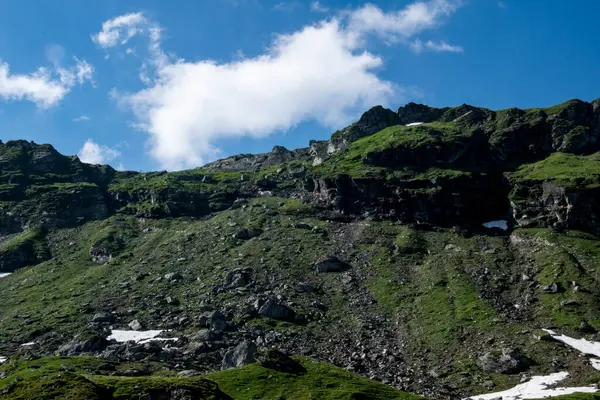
point(413, 112)
point(374, 120)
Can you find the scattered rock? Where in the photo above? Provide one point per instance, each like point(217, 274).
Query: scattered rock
point(239, 277)
point(505, 362)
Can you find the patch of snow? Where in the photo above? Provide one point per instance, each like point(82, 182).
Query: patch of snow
point(122, 336)
point(537, 388)
point(4, 274)
point(583, 345)
point(595, 363)
point(28, 344)
point(415, 123)
point(502, 224)
point(3, 360)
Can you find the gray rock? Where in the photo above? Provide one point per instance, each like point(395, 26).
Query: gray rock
point(173, 276)
point(331, 264)
point(505, 362)
point(237, 278)
point(551, 288)
point(569, 303)
point(103, 317)
point(306, 287)
point(94, 344)
point(135, 325)
point(272, 308)
point(205, 335)
point(214, 320)
point(172, 301)
point(242, 354)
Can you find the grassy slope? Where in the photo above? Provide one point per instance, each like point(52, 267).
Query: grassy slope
point(422, 281)
point(564, 169)
point(79, 378)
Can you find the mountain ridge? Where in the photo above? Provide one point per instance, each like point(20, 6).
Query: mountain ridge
point(444, 248)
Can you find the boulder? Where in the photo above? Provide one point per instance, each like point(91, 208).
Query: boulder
point(331, 264)
point(242, 354)
point(238, 277)
point(103, 317)
point(272, 308)
point(246, 234)
point(214, 320)
point(135, 325)
point(75, 347)
point(506, 362)
point(550, 288)
point(275, 359)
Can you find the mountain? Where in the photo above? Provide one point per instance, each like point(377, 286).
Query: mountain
point(426, 249)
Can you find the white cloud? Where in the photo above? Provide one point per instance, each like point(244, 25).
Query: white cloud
point(316, 6)
point(93, 153)
point(38, 87)
point(193, 104)
point(319, 73)
point(411, 20)
point(120, 29)
point(418, 46)
point(45, 87)
point(81, 118)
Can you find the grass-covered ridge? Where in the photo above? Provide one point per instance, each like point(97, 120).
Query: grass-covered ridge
point(564, 169)
point(83, 378)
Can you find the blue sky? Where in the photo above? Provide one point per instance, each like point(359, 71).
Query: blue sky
point(146, 85)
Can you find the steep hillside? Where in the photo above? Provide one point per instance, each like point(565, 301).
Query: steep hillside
point(427, 249)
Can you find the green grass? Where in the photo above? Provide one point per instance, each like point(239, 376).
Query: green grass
point(321, 381)
point(564, 169)
point(82, 378)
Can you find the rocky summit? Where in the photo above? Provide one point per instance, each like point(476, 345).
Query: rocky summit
point(439, 253)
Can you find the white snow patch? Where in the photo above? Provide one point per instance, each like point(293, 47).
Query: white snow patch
point(583, 345)
point(595, 363)
point(502, 224)
point(3, 360)
point(122, 336)
point(415, 123)
point(28, 344)
point(4, 274)
point(537, 388)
